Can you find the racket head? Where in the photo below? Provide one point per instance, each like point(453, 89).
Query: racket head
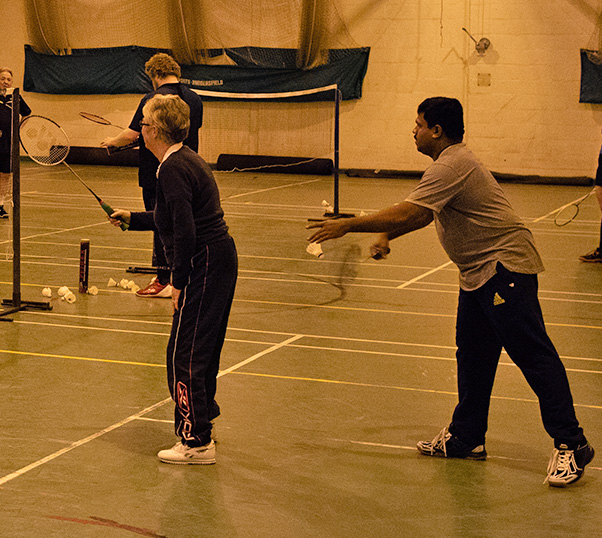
point(566, 215)
point(95, 118)
point(44, 140)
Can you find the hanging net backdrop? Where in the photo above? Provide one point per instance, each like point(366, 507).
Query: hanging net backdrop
point(190, 28)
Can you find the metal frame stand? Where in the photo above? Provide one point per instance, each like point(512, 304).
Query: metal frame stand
point(16, 304)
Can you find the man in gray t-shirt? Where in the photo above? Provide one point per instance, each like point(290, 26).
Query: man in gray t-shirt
point(498, 305)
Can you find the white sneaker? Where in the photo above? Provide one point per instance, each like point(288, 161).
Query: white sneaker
point(186, 455)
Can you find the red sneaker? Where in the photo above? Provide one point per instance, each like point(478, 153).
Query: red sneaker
point(155, 289)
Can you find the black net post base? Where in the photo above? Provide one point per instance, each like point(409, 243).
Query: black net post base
point(17, 306)
point(331, 215)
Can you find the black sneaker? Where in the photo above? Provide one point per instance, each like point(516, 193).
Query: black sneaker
point(446, 445)
point(567, 466)
point(3, 213)
point(595, 256)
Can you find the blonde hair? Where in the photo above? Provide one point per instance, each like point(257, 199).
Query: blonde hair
point(162, 65)
point(171, 115)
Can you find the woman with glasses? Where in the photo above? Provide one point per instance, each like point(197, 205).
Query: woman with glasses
point(204, 266)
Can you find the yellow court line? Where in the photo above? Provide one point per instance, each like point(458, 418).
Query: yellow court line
point(72, 357)
point(393, 387)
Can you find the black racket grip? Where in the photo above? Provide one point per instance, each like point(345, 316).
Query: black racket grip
point(117, 149)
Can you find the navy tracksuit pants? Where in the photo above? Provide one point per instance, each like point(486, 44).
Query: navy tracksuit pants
point(197, 336)
point(505, 313)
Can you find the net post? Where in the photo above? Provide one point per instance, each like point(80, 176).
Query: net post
point(16, 303)
point(338, 97)
point(16, 169)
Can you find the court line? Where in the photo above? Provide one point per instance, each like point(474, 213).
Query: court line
point(423, 275)
point(62, 230)
point(413, 449)
point(395, 387)
point(261, 342)
point(232, 197)
point(85, 440)
point(400, 312)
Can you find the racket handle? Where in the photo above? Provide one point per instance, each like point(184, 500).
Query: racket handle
point(109, 211)
point(116, 149)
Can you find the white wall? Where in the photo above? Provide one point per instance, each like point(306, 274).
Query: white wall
point(528, 121)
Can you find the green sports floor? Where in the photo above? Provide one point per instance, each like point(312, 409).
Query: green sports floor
point(333, 369)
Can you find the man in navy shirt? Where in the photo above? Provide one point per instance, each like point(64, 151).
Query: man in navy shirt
point(164, 73)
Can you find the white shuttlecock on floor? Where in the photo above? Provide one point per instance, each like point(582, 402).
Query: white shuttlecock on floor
point(69, 297)
point(47, 292)
point(111, 283)
point(315, 249)
point(124, 283)
point(92, 290)
point(135, 288)
point(63, 290)
point(132, 285)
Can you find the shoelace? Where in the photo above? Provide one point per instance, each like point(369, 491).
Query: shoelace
point(440, 441)
point(562, 464)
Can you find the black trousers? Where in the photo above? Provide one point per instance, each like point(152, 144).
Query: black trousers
point(197, 336)
point(505, 312)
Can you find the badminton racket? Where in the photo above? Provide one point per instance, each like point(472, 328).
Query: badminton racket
point(103, 121)
point(567, 213)
point(98, 119)
point(47, 144)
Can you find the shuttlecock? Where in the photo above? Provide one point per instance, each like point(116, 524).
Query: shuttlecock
point(69, 297)
point(111, 283)
point(124, 283)
point(327, 207)
point(131, 284)
point(363, 213)
point(63, 290)
point(92, 290)
point(47, 292)
point(135, 288)
point(315, 249)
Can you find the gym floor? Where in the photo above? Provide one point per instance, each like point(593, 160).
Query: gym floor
point(333, 369)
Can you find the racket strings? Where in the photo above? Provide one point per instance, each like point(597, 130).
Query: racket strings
point(44, 141)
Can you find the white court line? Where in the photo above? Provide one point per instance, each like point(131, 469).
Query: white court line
point(63, 230)
point(232, 197)
point(129, 419)
point(413, 449)
point(423, 275)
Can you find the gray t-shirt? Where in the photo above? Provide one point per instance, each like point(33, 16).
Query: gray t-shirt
point(476, 225)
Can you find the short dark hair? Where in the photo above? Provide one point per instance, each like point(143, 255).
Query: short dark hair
point(446, 112)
